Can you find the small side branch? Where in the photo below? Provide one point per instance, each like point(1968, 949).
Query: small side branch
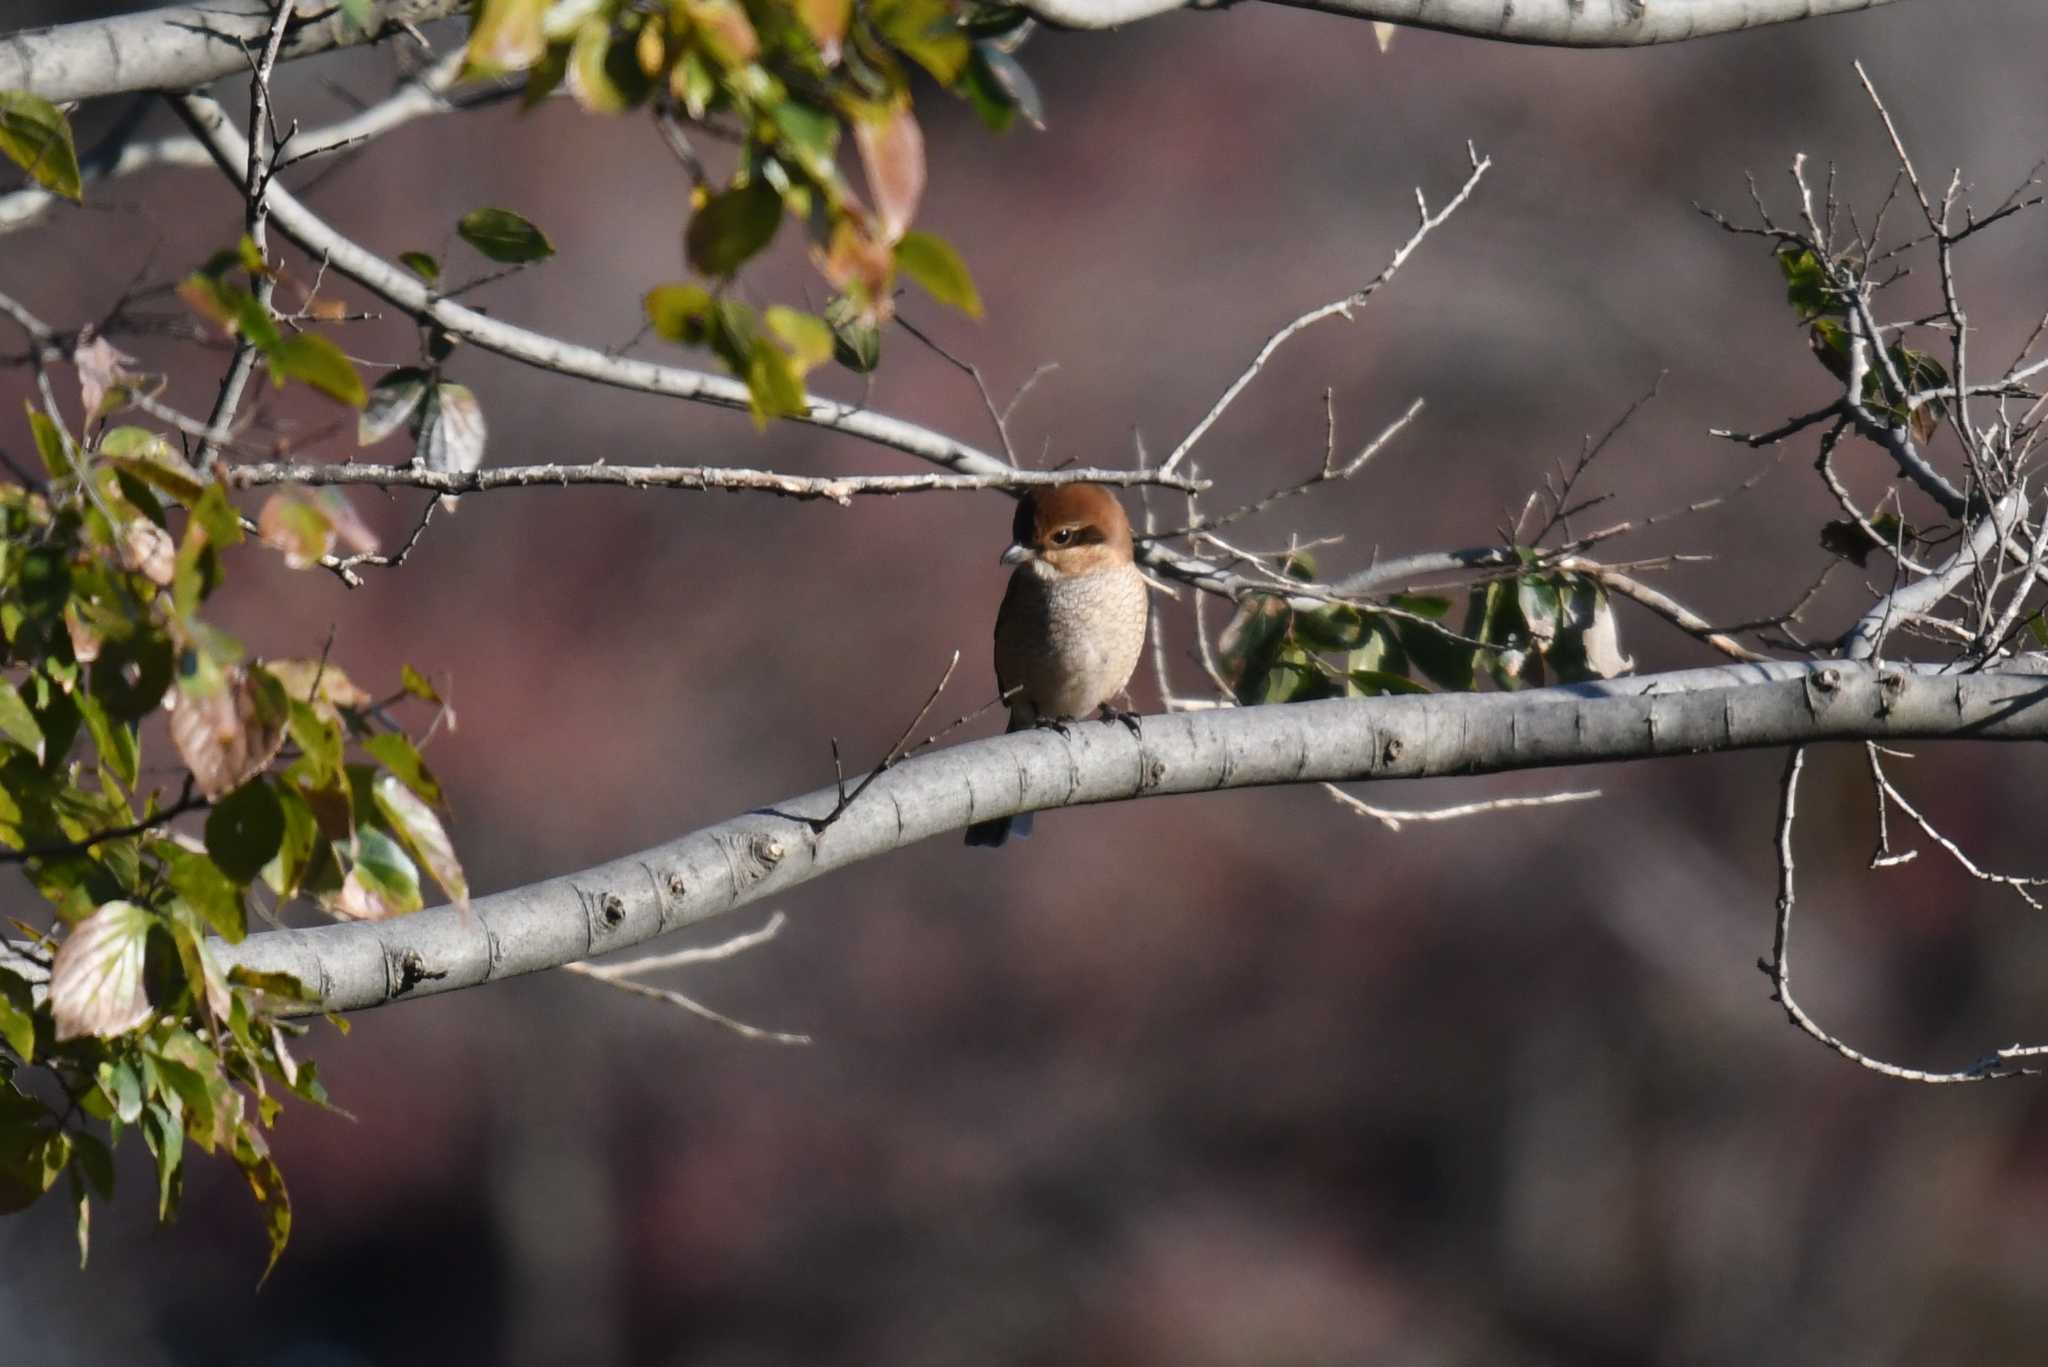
point(1340, 308)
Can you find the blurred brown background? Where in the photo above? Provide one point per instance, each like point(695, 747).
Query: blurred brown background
point(1220, 1081)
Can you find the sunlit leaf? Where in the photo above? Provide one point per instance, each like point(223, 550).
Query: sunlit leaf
point(289, 522)
point(36, 136)
point(423, 834)
point(809, 340)
point(826, 22)
point(506, 36)
point(680, 313)
point(309, 357)
point(384, 881)
point(197, 879)
point(96, 979)
point(452, 432)
point(402, 759)
point(17, 723)
point(154, 461)
point(416, 684)
point(933, 264)
point(774, 389)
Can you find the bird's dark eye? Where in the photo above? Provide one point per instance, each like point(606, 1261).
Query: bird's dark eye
point(1063, 536)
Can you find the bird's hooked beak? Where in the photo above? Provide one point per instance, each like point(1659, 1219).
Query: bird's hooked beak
point(1016, 555)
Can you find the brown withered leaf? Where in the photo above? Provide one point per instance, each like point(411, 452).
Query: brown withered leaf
point(101, 368)
point(148, 550)
point(85, 642)
point(320, 683)
point(862, 267)
point(892, 154)
point(228, 735)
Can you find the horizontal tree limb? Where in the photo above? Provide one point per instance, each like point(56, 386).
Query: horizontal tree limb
point(182, 46)
point(840, 489)
point(770, 850)
point(1550, 23)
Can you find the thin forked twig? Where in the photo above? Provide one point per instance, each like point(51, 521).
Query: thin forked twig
point(1341, 307)
point(1394, 818)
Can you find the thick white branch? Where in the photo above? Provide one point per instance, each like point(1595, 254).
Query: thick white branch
point(770, 850)
point(1553, 23)
point(180, 46)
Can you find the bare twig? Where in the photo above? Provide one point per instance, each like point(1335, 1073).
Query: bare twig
point(1394, 818)
point(1340, 308)
point(1778, 968)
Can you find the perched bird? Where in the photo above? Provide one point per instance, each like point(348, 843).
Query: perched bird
point(1072, 625)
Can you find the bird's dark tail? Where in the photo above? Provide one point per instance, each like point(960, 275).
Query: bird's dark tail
point(998, 830)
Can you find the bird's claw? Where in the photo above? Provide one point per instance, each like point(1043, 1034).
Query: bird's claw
point(1053, 724)
point(1129, 719)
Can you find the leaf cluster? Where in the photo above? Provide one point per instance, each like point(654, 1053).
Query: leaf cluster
point(1539, 626)
point(115, 1016)
point(789, 82)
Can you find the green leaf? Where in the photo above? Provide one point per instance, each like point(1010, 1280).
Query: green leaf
point(96, 979)
point(423, 834)
point(504, 236)
point(731, 227)
point(1806, 283)
point(122, 1086)
point(927, 33)
point(119, 752)
point(1443, 661)
point(1250, 644)
point(681, 313)
point(1371, 683)
point(1335, 627)
point(604, 73)
point(384, 882)
point(154, 461)
point(36, 136)
point(209, 892)
point(17, 1015)
point(415, 683)
point(94, 1159)
point(774, 390)
point(421, 264)
point(266, 1183)
point(856, 337)
point(129, 677)
point(932, 263)
point(51, 443)
point(809, 339)
point(320, 363)
point(402, 758)
point(319, 742)
point(17, 723)
point(166, 1140)
point(295, 852)
point(244, 830)
point(217, 516)
point(507, 36)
